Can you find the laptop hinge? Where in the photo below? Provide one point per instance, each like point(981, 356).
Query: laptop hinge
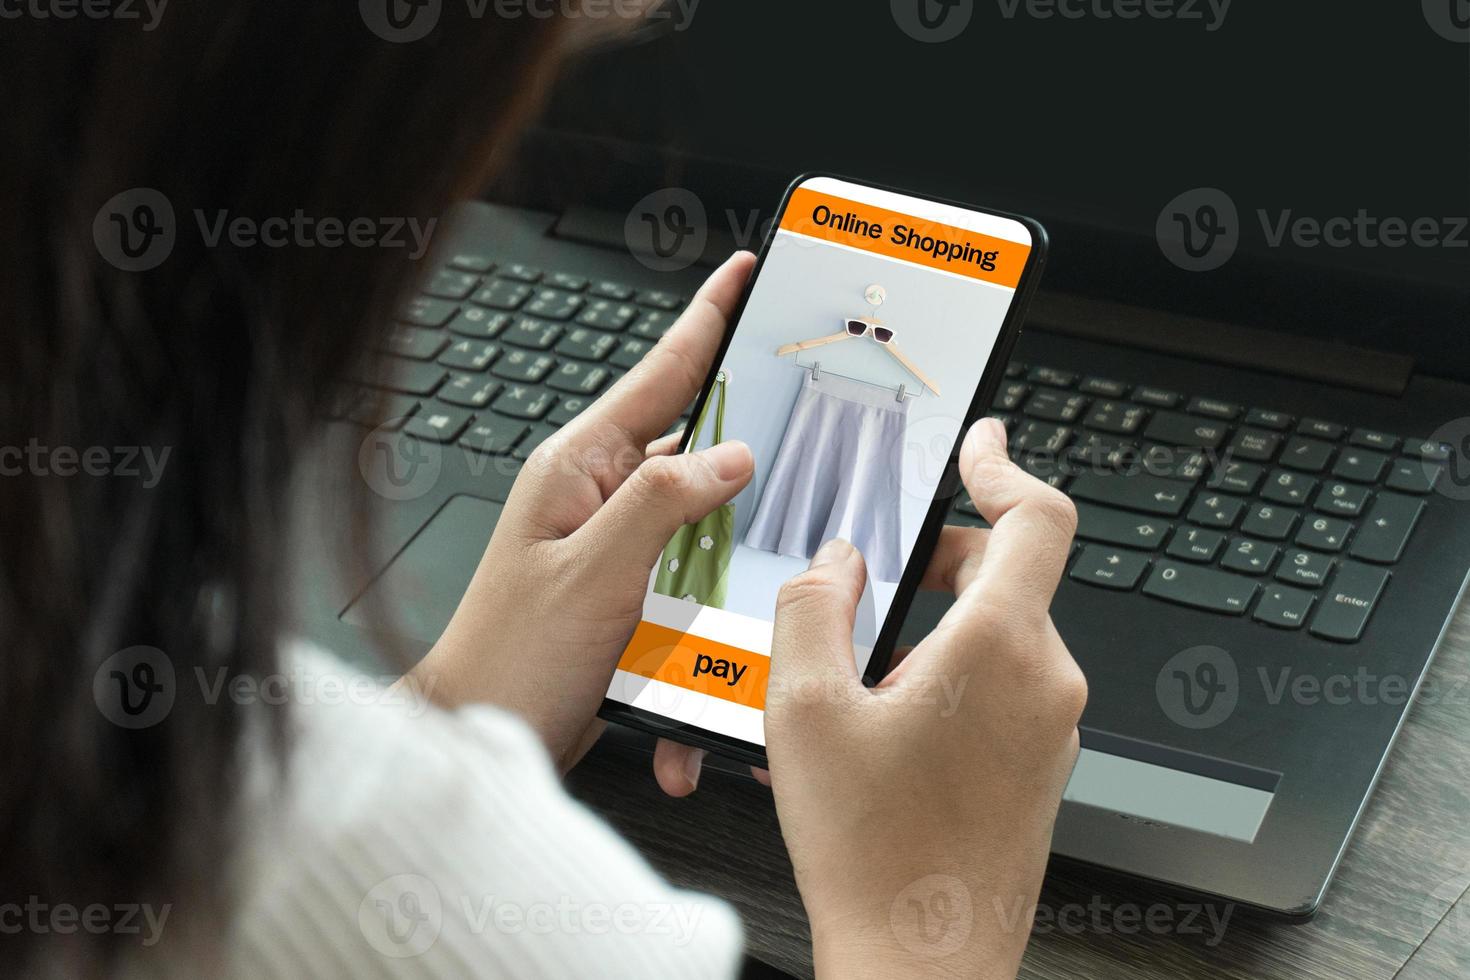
point(1223, 343)
point(608, 229)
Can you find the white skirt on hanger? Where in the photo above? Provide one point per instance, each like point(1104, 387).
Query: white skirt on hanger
point(838, 475)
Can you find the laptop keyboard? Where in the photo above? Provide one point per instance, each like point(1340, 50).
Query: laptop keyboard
point(1226, 508)
point(495, 358)
point(1188, 499)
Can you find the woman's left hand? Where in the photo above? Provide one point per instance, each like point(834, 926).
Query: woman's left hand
point(561, 586)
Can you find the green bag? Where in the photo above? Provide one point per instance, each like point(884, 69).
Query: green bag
point(695, 564)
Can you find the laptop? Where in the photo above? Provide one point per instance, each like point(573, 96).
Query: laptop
point(1254, 615)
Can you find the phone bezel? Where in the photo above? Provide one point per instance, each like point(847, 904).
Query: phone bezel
point(949, 482)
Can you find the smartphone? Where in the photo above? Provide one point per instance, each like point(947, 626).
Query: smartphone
point(875, 328)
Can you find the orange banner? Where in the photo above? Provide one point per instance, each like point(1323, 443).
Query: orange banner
point(697, 664)
point(900, 236)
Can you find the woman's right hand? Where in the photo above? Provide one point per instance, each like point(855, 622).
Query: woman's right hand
point(919, 813)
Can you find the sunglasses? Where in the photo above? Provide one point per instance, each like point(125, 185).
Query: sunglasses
point(857, 328)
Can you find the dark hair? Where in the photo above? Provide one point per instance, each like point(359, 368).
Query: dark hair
point(224, 357)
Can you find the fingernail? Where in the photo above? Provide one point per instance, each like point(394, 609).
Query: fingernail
point(693, 766)
point(834, 550)
point(730, 459)
point(990, 432)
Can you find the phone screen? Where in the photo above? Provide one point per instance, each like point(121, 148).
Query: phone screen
point(851, 371)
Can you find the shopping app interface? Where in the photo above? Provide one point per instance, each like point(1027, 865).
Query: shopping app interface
point(849, 375)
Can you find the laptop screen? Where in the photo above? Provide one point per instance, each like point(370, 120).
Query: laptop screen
point(1182, 151)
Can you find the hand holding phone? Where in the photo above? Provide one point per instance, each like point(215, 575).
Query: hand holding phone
point(874, 329)
point(919, 813)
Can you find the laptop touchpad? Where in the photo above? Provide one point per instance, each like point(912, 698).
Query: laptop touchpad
point(417, 593)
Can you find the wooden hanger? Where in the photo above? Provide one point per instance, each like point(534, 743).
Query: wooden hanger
point(875, 295)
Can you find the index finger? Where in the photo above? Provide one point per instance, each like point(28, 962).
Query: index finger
point(1031, 526)
point(647, 400)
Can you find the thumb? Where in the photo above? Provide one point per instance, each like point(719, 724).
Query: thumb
point(811, 642)
point(663, 494)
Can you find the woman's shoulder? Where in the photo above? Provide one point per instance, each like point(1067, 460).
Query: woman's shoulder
point(401, 831)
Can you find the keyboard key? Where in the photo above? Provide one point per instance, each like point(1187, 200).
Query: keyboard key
point(1101, 450)
point(470, 355)
point(524, 402)
point(1052, 405)
point(449, 284)
point(1203, 588)
point(1189, 465)
point(1010, 396)
point(1041, 437)
point(409, 377)
point(502, 295)
point(1176, 464)
point(1269, 521)
point(554, 304)
point(1119, 527)
point(472, 262)
point(421, 345)
point(1288, 488)
point(1250, 557)
point(1158, 397)
point(1310, 455)
point(438, 424)
point(1370, 439)
point(661, 300)
point(1343, 499)
point(1254, 444)
point(1216, 510)
point(1413, 476)
point(1194, 544)
point(1103, 387)
point(1284, 607)
point(1323, 533)
point(1151, 494)
point(565, 280)
point(612, 290)
point(1382, 535)
point(1052, 376)
point(577, 379)
point(1267, 419)
point(1049, 469)
point(1434, 452)
point(1349, 602)
point(479, 323)
point(607, 316)
point(1178, 429)
point(533, 334)
point(494, 437)
point(630, 352)
point(1236, 477)
point(1116, 417)
point(1304, 567)
point(519, 365)
point(1015, 369)
point(1213, 408)
point(567, 409)
point(539, 433)
point(587, 344)
point(652, 325)
point(1363, 465)
point(469, 391)
point(1320, 429)
point(1112, 568)
point(424, 311)
point(521, 272)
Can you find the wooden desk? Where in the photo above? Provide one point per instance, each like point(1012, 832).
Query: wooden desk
point(1398, 907)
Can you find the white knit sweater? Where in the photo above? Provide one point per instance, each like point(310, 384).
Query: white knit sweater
point(410, 841)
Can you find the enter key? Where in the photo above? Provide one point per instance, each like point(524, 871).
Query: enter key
point(1349, 602)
